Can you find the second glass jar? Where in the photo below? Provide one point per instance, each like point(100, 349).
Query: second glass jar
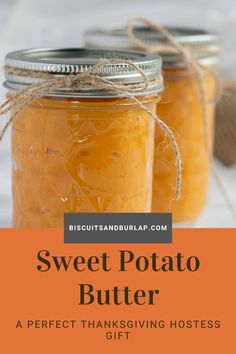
point(181, 109)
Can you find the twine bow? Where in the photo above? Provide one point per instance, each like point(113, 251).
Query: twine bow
point(90, 79)
point(174, 47)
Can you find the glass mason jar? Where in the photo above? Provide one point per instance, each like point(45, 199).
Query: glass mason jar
point(181, 109)
point(84, 151)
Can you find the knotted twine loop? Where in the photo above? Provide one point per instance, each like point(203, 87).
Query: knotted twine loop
point(174, 47)
point(90, 78)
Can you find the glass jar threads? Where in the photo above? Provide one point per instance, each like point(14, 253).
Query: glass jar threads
point(82, 150)
point(181, 108)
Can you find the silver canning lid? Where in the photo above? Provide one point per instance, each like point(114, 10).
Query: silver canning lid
point(65, 61)
point(204, 45)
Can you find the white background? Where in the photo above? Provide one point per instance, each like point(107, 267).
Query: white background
point(32, 23)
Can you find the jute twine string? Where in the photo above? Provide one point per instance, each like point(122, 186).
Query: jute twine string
point(85, 81)
point(174, 47)
point(225, 134)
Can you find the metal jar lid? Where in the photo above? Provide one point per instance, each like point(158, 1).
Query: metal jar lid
point(65, 61)
point(203, 45)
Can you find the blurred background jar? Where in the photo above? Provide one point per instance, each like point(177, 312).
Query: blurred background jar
point(181, 108)
point(85, 150)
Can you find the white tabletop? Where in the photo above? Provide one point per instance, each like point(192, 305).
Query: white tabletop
point(216, 213)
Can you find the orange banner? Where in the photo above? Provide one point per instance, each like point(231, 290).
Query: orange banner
point(62, 298)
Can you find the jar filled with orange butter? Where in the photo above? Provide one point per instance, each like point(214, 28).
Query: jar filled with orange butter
point(181, 108)
point(86, 150)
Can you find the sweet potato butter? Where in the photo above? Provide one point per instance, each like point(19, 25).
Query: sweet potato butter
point(86, 150)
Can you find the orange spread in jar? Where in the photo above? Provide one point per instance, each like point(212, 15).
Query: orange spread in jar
point(181, 110)
point(81, 155)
